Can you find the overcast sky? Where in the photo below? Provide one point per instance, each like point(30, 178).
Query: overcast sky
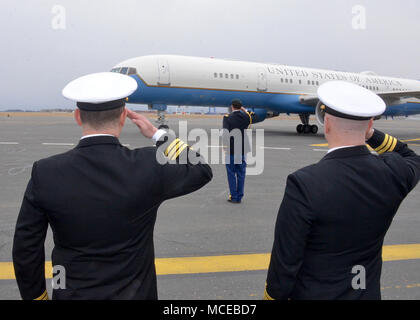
point(37, 59)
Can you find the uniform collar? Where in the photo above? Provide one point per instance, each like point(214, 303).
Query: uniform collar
point(336, 148)
point(347, 152)
point(98, 139)
point(96, 135)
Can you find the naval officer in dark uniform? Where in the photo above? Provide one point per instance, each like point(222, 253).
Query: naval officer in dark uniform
point(334, 215)
point(100, 200)
point(236, 147)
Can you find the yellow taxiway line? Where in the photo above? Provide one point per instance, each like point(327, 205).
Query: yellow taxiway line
point(227, 263)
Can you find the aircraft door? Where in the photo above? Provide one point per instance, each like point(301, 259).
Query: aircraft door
point(261, 79)
point(164, 75)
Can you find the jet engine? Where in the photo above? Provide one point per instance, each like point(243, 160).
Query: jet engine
point(319, 113)
point(262, 114)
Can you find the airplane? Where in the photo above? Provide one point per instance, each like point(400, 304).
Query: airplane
point(266, 89)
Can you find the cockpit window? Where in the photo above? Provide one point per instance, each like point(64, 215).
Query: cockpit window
point(125, 70)
point(132, 71)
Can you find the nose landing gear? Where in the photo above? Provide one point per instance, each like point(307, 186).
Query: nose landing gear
point(305, 127)
point(161, 120)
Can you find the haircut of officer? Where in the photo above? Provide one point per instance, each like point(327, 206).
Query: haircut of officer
point(334, 215)
point(236, 146)
point(101, 200)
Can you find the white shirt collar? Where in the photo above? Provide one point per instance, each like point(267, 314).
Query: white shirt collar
point(341, 147)
point(96, 135)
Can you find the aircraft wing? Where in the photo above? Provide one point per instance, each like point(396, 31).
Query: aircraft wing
point(308, 100)
point(399, 95)
point(390, 98)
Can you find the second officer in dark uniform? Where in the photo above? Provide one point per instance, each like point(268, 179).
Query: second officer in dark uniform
point(236, 147)
point(334, 215)
point(101, 201)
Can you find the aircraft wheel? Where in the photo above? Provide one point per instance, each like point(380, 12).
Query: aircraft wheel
point(299, 128)
point(314, 129)
point(306, 128)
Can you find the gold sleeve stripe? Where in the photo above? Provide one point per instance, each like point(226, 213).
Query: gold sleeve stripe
point(388, 145)
point(383, 143)
point(175, 149)
point(250, 118)
point(267, 296)
point(43, 296)
point(179, 151)
point(393, 145)
point(173, 143)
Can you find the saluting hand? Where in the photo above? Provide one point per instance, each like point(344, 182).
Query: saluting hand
point(146, 127)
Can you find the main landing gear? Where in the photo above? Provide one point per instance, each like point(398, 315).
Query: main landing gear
point(305, 127)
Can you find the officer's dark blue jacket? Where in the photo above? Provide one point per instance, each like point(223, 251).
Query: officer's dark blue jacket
point(239, 120)
point(333, 219)
point(101, 201)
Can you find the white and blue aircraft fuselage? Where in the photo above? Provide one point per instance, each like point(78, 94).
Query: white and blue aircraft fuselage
point(267, 89)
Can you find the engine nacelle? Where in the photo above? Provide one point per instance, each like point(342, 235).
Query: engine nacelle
point(319, 113)
point(262, 114)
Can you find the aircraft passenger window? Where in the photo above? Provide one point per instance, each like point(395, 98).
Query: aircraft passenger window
point(286, 80)
point(231, 76)
point(313, 83)
point(237, 76)
point(291, 80)
point(221, 75)
point(300, 81)
point(317, 83)
point(226, 76)
point(309, 82)
point(215, 74)
point(281, 80)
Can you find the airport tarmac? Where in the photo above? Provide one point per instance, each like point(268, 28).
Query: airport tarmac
point(207, 248)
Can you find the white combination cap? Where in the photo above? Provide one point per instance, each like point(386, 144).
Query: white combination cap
point(348, 100)
point(100, 91)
